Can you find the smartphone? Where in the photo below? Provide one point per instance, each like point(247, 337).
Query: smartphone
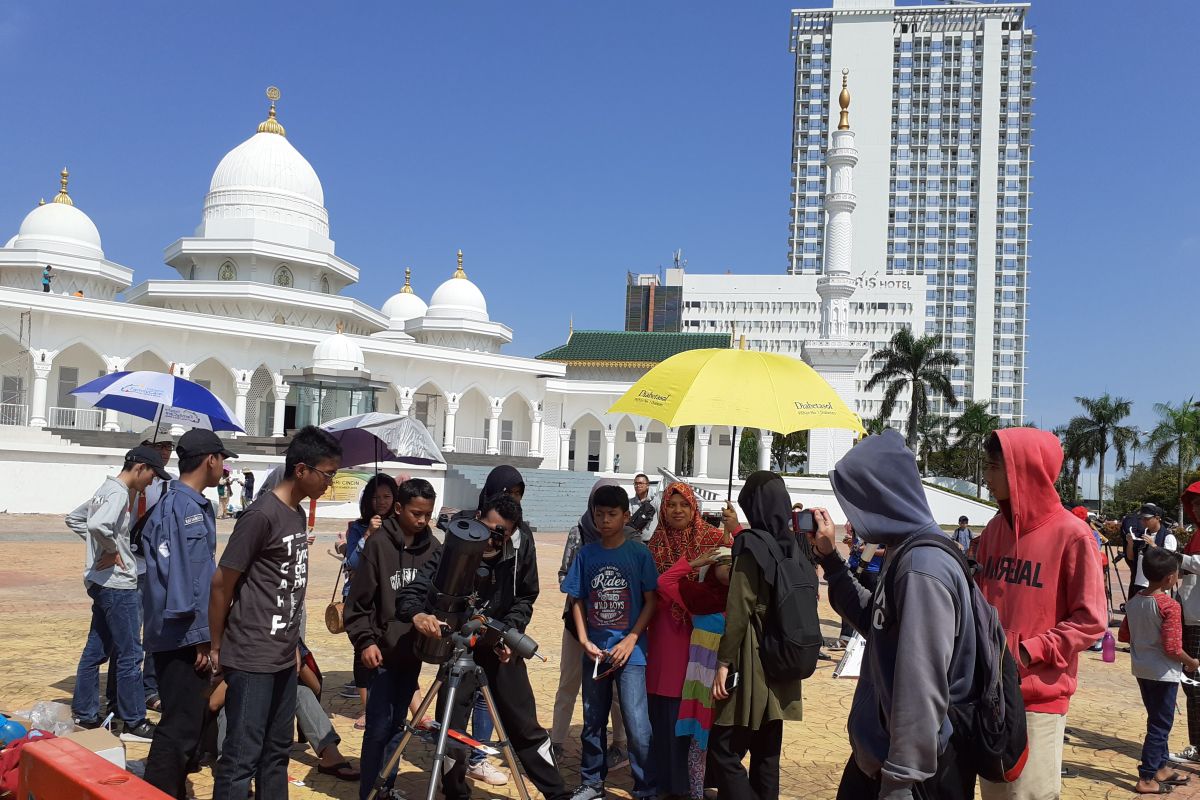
point(731, 681)
point(803, 522)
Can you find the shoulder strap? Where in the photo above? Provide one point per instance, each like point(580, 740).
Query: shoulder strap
point(939, 540)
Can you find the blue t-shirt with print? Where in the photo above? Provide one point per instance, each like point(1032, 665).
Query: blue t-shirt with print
point(612, 585)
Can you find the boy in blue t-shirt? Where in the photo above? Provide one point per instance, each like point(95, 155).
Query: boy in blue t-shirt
point(613, 584)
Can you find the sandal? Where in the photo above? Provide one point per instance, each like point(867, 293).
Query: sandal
point(1163, 788)
point(1176, 779)
point(342, 771)
point(360, 724)
point(153, 703)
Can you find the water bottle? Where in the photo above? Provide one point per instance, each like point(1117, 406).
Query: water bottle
point(1109, 647)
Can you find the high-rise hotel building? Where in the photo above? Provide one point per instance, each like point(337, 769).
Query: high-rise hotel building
point(943, 111)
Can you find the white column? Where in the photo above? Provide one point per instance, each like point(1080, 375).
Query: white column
point(183, 371)
point(610, 449)
point(672, 444)
point(406, 396)
point(281, 393)
point(640, 459)
point(702, 437)
point(43, 362)
point(765, 438)
point(564, 449)
point(113, 364)
point(451, 410)
point(239, 402)
point(535, 432)
point(496, 407)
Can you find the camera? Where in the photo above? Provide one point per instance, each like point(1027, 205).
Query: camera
point(803, 522)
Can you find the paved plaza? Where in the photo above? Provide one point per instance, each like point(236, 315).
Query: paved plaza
point(44, 617)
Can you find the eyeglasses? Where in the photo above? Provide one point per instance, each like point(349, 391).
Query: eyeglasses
point(328, 476)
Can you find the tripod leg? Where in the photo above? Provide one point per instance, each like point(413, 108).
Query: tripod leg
point(510, 755)
point(382, 778)
point(439, 755)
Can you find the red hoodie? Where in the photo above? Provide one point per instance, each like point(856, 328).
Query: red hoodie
point(1040, 568)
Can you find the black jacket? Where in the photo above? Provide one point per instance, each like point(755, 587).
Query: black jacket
point(385, 569)
point(507, 594)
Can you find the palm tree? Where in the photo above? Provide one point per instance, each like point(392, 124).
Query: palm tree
point(931, 438)
point(1073, 457)
point(875, 425)
point(1099, 428)
point(1178, 430)
point(915, 363)
point(973, 427)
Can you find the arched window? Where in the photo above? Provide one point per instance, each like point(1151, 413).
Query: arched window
point(325, 284)
point(227, 272)
point(283, 277)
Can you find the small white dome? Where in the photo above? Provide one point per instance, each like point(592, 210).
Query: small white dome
point(267, 161)
point(339, 351)
point(403, 306)
point(458, 298)
point(58, 225)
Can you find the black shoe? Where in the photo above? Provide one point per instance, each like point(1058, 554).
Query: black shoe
point(88, 724)
point(141, 732)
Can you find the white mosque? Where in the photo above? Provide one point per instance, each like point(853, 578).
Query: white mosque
point(257, 315)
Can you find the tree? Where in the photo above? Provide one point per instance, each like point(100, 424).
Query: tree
point(1146, 483)
point(972, 428)
point(1099, 429)
point(1178, 431)
point(931, 438)
point(787, 449)
point(875, 425)
point(1073, 445)
point(917, 364)
point(748, 452)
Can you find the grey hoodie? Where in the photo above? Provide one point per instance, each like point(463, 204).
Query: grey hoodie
point(879, 488)
point(103, 522)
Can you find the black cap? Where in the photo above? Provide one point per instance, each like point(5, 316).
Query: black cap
point(1149, 510)
point(158, 442)
point(143, 454)
point(201, 442)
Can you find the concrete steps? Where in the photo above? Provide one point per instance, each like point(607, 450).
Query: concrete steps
point(25, 437)
point(554, 499)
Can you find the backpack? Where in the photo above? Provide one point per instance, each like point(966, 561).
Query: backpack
point(790, 640)
point(989, 726)
point(135, 533)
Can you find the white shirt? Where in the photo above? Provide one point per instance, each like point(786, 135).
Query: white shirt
point(1169, 543)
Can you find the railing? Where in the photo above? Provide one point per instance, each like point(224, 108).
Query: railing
point(513, 447)
point(86, 419)
point(14, 414)
point(470, 444)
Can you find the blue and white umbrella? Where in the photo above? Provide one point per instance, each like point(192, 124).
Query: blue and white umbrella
point(163, 398)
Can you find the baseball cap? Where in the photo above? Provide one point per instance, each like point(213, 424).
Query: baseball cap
point(1149, 510)
point(201, 442)
point(143, 454)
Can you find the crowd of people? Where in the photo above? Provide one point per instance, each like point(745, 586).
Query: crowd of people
point(688, 642)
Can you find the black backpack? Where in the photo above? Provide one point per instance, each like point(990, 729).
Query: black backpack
point(790, 640)
point(989, 726)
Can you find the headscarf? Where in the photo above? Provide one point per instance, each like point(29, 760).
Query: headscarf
point(499, 481)
point(588, 532)
point(1193, 546)
point(668, 545)
point(765, 501)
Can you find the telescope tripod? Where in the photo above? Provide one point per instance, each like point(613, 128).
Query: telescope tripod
point(451, 675)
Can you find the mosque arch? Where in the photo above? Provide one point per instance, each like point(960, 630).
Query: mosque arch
point(586, 448)
point(260, 403)
point(217, 377)
point(74, 366)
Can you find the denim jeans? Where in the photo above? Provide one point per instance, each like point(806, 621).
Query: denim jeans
point(387, 708)
point(1159, 699)
point(630, 681)
point(260, 712)
point(149, 675)
point(481, 727)
point(116, 629)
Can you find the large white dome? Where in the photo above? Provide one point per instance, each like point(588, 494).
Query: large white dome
point(339, 351)
point(458, 298)
point(59, 225)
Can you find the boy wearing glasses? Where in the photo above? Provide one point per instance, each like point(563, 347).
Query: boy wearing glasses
point(255, 610)
point(613, 584)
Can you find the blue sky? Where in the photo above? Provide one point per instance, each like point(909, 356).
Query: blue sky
point(561, 144)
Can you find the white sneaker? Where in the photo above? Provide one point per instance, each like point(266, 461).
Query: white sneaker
point(1189, 754)
point(486, 773)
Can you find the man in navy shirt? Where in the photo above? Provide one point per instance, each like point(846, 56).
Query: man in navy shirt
point(180, 542)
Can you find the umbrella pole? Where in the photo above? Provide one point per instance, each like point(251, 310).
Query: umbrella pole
point(732, 454)
point(157, 422)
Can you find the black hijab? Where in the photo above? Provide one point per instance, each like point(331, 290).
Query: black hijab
point(588, 532)
point(499, 481)
point(765, 501)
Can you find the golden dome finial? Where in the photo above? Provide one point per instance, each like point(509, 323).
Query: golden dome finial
point(458, 273)
point(844, 101)
point(407, 288)
point(341, 327)
point(42, 202)
point(270, 124)
point(63, 197)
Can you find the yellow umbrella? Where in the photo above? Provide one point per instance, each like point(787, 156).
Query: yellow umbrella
point(739, 388)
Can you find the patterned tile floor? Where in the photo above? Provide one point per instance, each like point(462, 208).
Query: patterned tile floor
point(44, 614)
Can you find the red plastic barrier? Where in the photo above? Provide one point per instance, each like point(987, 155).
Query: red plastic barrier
point(57, 769)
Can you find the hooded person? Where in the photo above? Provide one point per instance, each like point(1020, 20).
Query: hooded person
point(570, 662)
point(750, 716)
point(1040, 568)
point(1189, 599)
point(900, 731)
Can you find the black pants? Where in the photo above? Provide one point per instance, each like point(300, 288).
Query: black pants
point(184, 698)
point(510, 689)
point(1191, 646)
point(727, 746)
point(952, 781)
point(260, 713)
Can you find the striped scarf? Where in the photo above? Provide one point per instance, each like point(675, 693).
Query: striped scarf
point(696, 704)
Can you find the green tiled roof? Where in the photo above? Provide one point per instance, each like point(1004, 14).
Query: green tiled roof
point(630, 347)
